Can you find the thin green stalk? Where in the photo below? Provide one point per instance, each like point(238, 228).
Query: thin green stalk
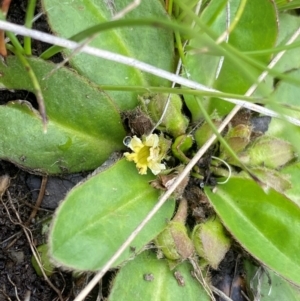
point(232, 54)
point(177, 90)
point(274, 50)
point(235, 21)
point(191, 5)
point(229, 53)
point(290, 5)
point(172, 25)
point(153, 22)
point(170, 7)
point(15, 42)
point(223, 141)
point(180, 47)
point(176, 10)
point(28, 23)
point(36, 86)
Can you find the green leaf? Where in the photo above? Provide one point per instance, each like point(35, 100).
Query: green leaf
point(235, 75)
point(286, 131)
point(265, 224)
point(150, 279)
point(288, 25)
point(287, 97)
point(148, 44)
point(84, 125)
point(292, 171)
point(97, 216)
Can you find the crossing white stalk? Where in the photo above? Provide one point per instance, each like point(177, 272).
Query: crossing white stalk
point(48, 38)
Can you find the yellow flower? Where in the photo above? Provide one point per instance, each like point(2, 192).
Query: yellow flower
point(147, 153)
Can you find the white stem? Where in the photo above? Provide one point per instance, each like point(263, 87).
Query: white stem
point(131, 6)
point(47, 38)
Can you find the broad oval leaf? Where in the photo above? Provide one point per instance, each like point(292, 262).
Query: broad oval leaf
point(265, 224)
point(84, 125)
point(151, 45)
point(202, 64)
point(97, 216)
point(150, 279)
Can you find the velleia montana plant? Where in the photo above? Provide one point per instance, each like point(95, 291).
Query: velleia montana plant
point(250, 202)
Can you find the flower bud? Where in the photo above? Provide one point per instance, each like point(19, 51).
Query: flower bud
point(211, 241)
point(45, 261)
point(204, 132)
point(174, 242)
point(174, 122)
point(268, 151)
point(181, 145)
point(238, 137)
point(138, 122)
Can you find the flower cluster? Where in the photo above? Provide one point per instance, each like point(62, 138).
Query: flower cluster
point(147, 153)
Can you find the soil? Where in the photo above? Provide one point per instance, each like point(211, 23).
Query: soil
point(17, 276)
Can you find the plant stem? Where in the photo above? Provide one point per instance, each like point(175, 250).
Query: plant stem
point(28, 24)
point(15, 42)
point(141, 66)
point(37, 88)
point(182, 210)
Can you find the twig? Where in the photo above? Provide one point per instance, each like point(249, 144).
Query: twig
point(139, 65)
point(4, 184)
point(130, 7)
point(199, 276)
point(4, 8)
point(16, 290)
point(34, 206)
point(36, 17)
point(13, 241)
point(28, 235)
point(9, 238)
point(39, 200)
point(27, 296)
point(5, 294)
point(220, 293)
